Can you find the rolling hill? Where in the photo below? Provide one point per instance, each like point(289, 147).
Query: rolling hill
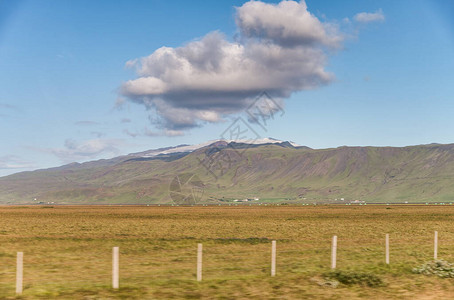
point(224, 171)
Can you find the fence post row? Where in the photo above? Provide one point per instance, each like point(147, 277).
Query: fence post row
point(19, 272)
point(334, 252)
point(116, 265)
point(273, 258)
point(199, 262)
point(115, 268)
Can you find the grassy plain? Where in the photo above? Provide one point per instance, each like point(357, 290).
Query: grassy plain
point(67, 251)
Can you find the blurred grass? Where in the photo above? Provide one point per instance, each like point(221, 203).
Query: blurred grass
point(67, 251)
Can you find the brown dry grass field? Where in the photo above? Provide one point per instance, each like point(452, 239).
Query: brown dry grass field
point(68, 251)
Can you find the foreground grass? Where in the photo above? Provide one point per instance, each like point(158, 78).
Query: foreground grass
point(67, 251)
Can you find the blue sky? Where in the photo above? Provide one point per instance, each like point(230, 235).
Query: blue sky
point(63, 70)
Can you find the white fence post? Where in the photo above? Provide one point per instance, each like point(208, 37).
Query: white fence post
point(387, 249)
point(199, 262)
point(273, 258)
point(436, 245)
point(115, 268)
point(19, 272)
point(334, 252)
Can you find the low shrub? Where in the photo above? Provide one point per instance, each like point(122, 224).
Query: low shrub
point(440, 267)
point(351, 277)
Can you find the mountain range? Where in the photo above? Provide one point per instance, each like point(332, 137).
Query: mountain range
point(228, 171)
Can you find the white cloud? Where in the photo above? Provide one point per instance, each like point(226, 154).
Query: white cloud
point(365, 17)
point(286, 23)
point(281, 49)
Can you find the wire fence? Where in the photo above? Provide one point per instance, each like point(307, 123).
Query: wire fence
point(217, 261)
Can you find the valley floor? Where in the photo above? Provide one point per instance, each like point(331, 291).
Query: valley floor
point(68, 251)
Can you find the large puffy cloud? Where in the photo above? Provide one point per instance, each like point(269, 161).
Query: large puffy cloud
point(281, 49)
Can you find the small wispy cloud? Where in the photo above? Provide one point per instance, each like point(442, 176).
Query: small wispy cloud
point(126, 120)
point(130, 133)
point(87, 149)
point(170, 132)
point(165, 132)
point(365, 17)
point(152, 133)
point(8, 106)
point(86, 123)
point(9, 162)
point(7, 109)
point(98, 134)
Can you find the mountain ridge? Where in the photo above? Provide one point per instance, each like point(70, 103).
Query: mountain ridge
point(277, 171)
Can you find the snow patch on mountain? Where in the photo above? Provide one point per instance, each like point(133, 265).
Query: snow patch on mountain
point(191, 148)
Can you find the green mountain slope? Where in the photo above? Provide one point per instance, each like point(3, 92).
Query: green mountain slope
point(270, 172)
